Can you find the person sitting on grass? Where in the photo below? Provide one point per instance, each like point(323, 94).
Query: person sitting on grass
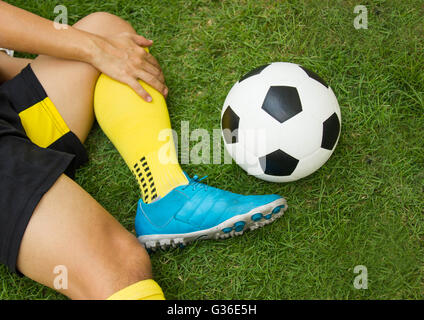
point(98, 68)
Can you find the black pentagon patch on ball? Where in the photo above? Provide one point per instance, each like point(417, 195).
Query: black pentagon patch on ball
point(254, 72)
point(278, 163)
point(230, 123)
point(282, 103)
point(331, 131)
point(314, 76)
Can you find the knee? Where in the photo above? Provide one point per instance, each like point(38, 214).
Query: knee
point(104, 24)
point(127, 263)
point(133, 262)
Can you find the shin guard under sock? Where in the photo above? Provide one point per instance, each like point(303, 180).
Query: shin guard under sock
point(141, 131)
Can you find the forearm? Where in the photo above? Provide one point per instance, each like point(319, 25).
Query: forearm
point(120, 56)
point(26, 32)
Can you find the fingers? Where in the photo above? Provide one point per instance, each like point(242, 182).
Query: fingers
point(138, 88)
point(141, 41)
point(148, 71)
point(153, 71)
point(152, 60)
point(152, 81)
point(149, 58)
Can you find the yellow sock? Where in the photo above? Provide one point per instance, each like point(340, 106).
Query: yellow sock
point(143, 290)
point(136, 129)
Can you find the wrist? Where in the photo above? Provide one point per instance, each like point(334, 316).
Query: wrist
point(91, 49)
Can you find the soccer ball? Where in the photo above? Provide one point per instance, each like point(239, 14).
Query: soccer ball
point(280, 122)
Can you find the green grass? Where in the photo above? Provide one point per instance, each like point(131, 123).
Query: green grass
point(364, 207)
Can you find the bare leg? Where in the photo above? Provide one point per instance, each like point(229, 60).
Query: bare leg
point(68, 226)
point(10, 67)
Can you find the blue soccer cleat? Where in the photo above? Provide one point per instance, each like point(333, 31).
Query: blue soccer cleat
point(196, 211)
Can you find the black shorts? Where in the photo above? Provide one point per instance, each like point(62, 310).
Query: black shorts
point(36, 147)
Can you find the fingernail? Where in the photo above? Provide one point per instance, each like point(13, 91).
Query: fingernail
point(149, 99)
point(165, 92)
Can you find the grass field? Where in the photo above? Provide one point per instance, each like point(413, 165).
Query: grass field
point(364, 207)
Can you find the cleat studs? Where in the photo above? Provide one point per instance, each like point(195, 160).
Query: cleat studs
point(268, 216)
point(277, 209)
point(239, 226)
point(257, 217)
point(150, 244)
point(227, 230)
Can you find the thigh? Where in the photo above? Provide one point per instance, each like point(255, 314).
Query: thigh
point(70, 86)
point(69, 228)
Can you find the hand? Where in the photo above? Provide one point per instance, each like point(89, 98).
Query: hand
point(124, 59)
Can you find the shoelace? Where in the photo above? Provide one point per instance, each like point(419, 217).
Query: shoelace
point(195, 182)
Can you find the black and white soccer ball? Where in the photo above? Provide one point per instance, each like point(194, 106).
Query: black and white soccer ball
point(280, 122)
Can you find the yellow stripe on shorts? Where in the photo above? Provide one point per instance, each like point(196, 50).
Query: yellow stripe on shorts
point(43, 124)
